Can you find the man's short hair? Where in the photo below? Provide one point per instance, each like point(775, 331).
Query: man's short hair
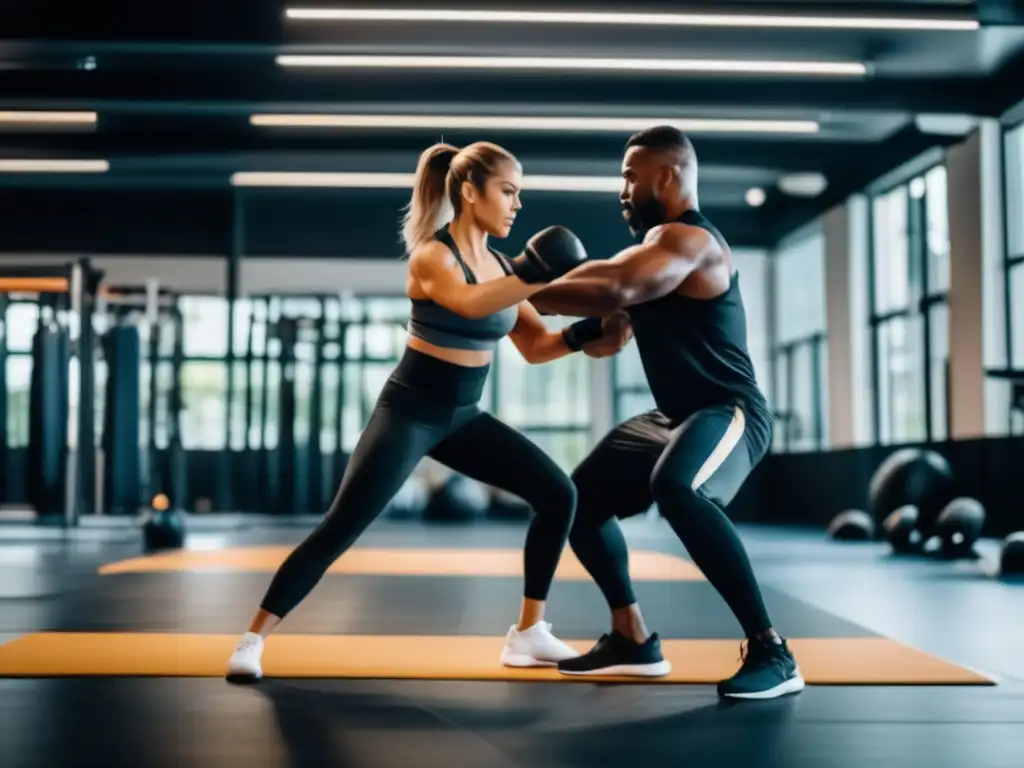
point(662, 137)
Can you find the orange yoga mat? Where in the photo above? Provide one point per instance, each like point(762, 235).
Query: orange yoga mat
point(643, 565)
point(851, 661)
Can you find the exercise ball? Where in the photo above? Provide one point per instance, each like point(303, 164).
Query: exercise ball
point(410, 501)
point(901, 530)
point(459, 499)
point(852, 525)
point(912, 477)
point(163, 529)
point(1011, 559)
point(959, 526)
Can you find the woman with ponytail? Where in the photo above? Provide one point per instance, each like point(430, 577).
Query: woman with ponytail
point(465, 298)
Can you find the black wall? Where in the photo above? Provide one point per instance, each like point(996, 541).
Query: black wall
point(115, 221)
point(811, 488)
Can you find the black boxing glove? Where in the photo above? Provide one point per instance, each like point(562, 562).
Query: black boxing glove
point(549, 254)
point(583, 332)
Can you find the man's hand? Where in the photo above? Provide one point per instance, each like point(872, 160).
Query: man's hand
point(617, 332)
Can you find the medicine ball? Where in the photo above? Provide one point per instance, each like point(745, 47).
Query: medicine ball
point(163, 529)
point(915, 477)
point(901, 530)
point(459, 499)
point(852, 525)
point(959, 526)
point(1011, 559)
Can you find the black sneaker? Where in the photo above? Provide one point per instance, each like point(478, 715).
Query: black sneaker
point(616, 654)
point(769, 670)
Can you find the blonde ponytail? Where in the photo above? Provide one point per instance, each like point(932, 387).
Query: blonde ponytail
point(429, 207)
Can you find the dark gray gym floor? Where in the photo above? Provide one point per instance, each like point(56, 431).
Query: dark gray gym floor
point(814, 588)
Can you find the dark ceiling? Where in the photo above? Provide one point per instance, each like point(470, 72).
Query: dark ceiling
point(174, 88)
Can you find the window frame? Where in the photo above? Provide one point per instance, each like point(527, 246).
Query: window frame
point(917, 307)
point(783, 373)
point(542, 427)
point(783, 356)
point(1013, 373)
point(1011, 261)
point(621, 390)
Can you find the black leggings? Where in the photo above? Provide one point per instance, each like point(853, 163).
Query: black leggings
point(691, 471)
point(429, 408)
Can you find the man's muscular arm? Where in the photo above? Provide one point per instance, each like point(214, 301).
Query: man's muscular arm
point(644, 272)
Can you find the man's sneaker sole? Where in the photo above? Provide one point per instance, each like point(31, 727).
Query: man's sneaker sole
point(790, 686)
point(657, 669)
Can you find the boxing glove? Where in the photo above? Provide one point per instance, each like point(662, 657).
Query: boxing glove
point(549, 254)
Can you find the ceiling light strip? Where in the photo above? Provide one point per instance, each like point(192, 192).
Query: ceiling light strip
point(532, 123)
point(702, 66)
point(47, 118)
point(419, 15)
point(21, 165)
point(405, 181)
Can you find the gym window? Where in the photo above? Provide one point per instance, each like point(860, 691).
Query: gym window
point(335, 354)
point(20, 320)
point(1014, 263)
point(909, 321)
point(631, 395)
point(799, 356)
point(550, 403)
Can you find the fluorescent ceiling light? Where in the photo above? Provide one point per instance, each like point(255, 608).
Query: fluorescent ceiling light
point(405, 181)
point(803, 184)
point(517, 123)
point(946, 125)
point(54, 166)
point(47, 118)
point(720, 66)
point(419, 15)
point(755, 197)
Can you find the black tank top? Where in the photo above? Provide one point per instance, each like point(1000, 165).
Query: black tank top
point(694, 351)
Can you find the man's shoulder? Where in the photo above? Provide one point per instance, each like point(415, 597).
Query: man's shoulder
point(685, 240)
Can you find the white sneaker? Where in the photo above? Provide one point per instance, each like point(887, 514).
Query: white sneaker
point(244, 665)
point(535, 647)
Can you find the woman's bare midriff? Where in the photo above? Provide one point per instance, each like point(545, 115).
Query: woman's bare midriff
point(468, 358)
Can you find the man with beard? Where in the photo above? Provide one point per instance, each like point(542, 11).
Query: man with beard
point(712, 425)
